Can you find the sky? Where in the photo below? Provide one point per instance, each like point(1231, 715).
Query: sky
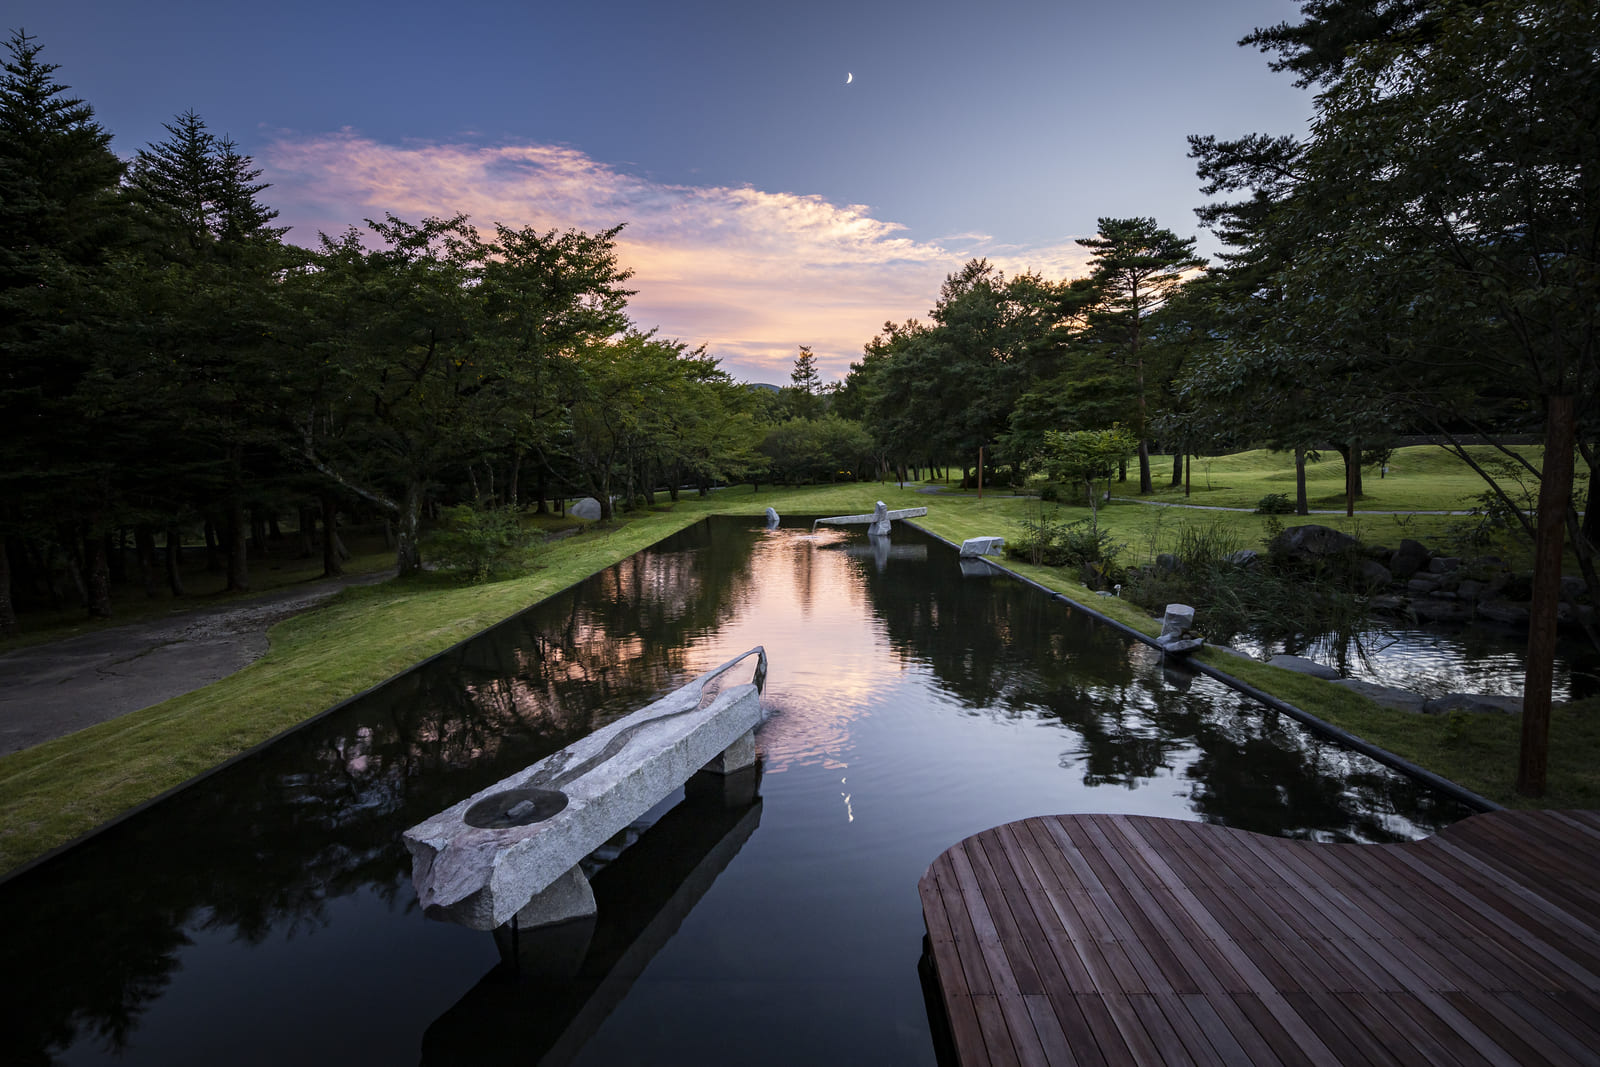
point(768, 202)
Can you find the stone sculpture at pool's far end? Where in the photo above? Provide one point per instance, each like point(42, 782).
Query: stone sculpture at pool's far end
point(513, 849)
point(877, 523)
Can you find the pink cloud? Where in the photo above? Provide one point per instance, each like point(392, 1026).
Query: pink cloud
point(751, 274)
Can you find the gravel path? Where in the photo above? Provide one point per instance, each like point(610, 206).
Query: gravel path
point(54, 689)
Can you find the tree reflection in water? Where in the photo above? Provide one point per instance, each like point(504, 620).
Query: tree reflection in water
point(265, 850)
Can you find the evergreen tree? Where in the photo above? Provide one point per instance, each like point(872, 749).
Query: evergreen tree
point(1136, 267)
point(60, 227)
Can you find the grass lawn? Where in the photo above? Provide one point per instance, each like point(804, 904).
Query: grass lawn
point(63, 788)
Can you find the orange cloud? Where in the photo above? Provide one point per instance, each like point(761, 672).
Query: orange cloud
point(748, 273)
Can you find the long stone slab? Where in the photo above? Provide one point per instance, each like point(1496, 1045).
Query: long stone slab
point(483, 860)
point(878, 521)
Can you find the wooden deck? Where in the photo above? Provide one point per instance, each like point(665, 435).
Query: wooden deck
point(1108, 939)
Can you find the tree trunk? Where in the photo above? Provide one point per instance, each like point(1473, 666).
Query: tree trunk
point(213, 551)
point(8, 610)
point(174, 559)
point(144, 545)
point(1591, 513)
point(1301, 507)
point(117, 555)
point(330, 536)
point(1146, 486)
point(408, 555)
point(237, 546)
point(1352, 466)
point(258, 534)
point(1555, 487)
point(514, 486)
point(1122, 470)
point(308, 531)
point(1177, 469)
point(98, 565)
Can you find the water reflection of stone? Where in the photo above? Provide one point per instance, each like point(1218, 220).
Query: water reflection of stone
point(317, 815)
point(526, 1011)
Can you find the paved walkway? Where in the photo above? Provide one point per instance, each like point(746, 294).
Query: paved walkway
point(54, 689)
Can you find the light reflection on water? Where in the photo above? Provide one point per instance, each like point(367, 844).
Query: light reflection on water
point(909, 707)
point(1449, 659)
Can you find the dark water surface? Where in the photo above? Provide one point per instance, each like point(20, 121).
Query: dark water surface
point(266, 915)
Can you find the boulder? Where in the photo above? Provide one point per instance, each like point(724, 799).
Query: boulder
point(587, 509)
point(1504, 611)
point(1398, 699)
point(1245, 558)
point(1470, 590)
point(1312, 543)
point(1408, 559)
point(1422, 585)
point(1303, 666)
point(1168, 563)
point(1473, 702)
point(1443, 564)
point(1432, 609)
point(1372, 575)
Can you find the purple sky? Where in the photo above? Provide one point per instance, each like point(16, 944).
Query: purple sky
point(769, 204)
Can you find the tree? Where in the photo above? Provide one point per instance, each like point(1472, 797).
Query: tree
point(205, 367)
point(1136, 267)
point(1083, 456)
point(62, 227)
point(805, 386)
point(1468, 175)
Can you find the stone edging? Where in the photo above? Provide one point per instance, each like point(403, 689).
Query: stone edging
point(1321, 726)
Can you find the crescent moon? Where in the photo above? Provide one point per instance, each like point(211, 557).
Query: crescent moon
point(848, 78)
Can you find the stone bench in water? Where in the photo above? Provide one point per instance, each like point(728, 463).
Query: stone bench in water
point(512, 850)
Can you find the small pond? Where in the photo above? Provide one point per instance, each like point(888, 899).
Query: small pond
point(1439, 659)
point(265, 915)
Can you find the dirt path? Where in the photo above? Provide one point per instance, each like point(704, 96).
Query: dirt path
point(50, 690)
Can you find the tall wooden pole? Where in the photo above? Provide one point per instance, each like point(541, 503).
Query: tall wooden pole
point(980, 472)
point(1555, 487)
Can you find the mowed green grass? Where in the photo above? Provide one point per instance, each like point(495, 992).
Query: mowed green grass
point(61, 789)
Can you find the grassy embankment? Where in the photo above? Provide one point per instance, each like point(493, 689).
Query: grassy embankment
point(58, 790)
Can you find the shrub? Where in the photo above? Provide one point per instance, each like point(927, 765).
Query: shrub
point(1049, 541)
point(1275, 504)
point(476, 543)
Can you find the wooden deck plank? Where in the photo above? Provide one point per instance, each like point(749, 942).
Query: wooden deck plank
point(1109, 939)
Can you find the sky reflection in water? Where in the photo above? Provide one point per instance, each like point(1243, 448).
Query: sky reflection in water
point(267, 915)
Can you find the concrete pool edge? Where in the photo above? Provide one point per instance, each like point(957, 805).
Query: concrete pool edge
point(1318, 725)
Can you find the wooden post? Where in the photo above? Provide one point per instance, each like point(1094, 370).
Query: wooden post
point(980, 472)
point(1187, 466)
point(1555, 487)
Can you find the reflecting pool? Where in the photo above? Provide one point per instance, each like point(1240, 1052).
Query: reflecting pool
point(266, 914)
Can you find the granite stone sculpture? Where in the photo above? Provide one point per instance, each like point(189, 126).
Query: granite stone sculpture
point(1177, 622)
point(877, 523)
point(512, 850)
point(982, 546)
